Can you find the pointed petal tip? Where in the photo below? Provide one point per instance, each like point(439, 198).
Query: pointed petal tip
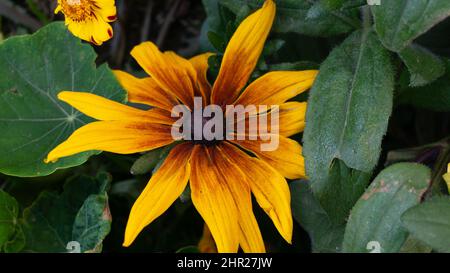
point(50, 159)
point(286, 233)
point(271, 5)
point(58, 9)
point(127, 242)
point(130, 236)
point(62, 95)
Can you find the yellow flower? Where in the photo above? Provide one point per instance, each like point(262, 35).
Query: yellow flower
point(447, 177)
point(222, 174)
point(89, 19)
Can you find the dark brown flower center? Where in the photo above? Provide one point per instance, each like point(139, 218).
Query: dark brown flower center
point(209, 133)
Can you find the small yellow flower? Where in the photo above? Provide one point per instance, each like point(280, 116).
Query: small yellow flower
point(89, 19)
point(447, 177)
point(222, 174)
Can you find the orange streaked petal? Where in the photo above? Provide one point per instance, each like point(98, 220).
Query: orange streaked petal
point(242, 54)
point(291, 120)
point(145, 91)
point(275, 88)
point(121, 137)
point(165, 186)
point(269, 187)
point(105, 109)
point(200, 64)
point(287, 159)
point(173, 73)
point(250, 235)
point(251, 240)
point(214, 200)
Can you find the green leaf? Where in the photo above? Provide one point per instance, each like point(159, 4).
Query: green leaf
point(435, 96)
point(188, 249)
point(16, 243)
point(339, 4)
point(215, 30)
point(150, 160)
point(94, 215)
point(301, 65)
point(34, 69)
point(399, 22)
point(349, 107)
point(412, 245)
point(9, 212)
point(332, 4)
point(80, 215)
point(130, 188)
point(423, 65)
point(307, 211)
point(339, 191)
point(430, 223)
point(302, 17)
point(376, 216)
point(217, 41)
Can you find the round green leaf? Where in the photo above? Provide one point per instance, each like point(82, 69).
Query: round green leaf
point(77, 220)
point(34, 69)
point(375, 219)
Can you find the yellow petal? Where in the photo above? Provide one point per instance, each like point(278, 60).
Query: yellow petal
point(58, 7)
point(242, 54)
point(81, 30)
point(101, 31)
point(250, 235)
point(214, 201)
point(200, 64)
point(121, 137)
point(291, 120)
point(275, 88)
point(104, 109)
point(93, 30)
point(447, 177)
point(174, 74)
point(107, 10)
point(251, 240)
point(269, 187)
point(165, 186)
point(145, 91)
point(287, 159)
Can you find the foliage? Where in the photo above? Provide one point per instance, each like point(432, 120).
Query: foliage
point(376, 142)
